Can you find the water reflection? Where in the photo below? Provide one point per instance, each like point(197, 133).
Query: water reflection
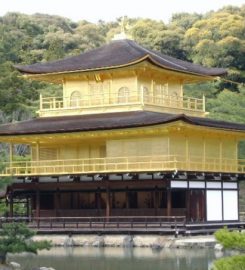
point(118, 259)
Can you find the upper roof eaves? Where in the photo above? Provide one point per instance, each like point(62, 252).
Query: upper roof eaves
point(117, 54)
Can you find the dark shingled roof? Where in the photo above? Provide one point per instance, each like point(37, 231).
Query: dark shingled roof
point(108, 121)
point(116, 54)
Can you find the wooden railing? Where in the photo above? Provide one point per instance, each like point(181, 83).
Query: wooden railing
point(97, 224)
point(113, 101)
point(123, 164)
point(122, 224)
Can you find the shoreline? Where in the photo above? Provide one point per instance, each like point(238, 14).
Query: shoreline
point(123, 240)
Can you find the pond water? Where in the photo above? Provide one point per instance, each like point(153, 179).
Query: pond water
point(87, 258)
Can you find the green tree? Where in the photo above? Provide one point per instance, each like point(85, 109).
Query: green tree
point(148, 33)
point(217, 39)
point(184, 20)
point(231, 240)
point(228, 105)
point(55, 50)
point(88, 36)
point(17, 238)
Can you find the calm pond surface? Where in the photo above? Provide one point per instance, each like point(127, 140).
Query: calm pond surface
point(87, 258)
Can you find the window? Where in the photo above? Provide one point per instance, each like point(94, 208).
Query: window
point(46, 201)
point(96, 93)
point(75, 99)
point(133, 199)
point(146, 94)
point(48, 153)
point(178, 199)
point(123, 95)
point(175, 101)
point(175, 95)
point(160, 93)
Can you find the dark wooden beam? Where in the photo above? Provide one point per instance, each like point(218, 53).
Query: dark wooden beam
point(113, 184)
point(156, 199)
point(57, 202)
point(37, 203)
point(188, 206)
point(11, 205)
point(127, 198)
point(169, 201)
point(27, 207)
point(108, 202)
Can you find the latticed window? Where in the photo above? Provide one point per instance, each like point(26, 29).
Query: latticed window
point(75, 99)
point(96, 93)
point(175, 100)
point(123, 95)
point(160, 93)
point(146, 94)
point(47, 154)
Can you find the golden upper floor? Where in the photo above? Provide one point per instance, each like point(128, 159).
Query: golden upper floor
point(128, 90)
point(118, 77)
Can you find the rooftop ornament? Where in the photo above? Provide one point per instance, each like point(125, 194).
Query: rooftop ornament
point(124, 25)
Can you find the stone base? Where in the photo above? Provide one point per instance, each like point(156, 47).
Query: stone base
point(153, 241)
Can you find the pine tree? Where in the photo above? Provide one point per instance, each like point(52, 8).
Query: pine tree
point(17, 238)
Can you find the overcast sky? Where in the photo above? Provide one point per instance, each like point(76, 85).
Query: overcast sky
point(109, 10)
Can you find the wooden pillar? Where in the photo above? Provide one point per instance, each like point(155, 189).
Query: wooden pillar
point(156, 200)
point(57, 202)
point(111, 94)
point(11, 151)
point(220, 154)
point(41, 102)
point(187, 151)
point(108, 206)
point(27, 207)
point(37, 151)
point(11, 205)
point(203, 103)
point(136, 87)
point(37, 204)
point(203, 207)
point(152, 97)
point(169, 202)
point(98, 200)
point(188, 206)
point(126, 206)
point(127, 198)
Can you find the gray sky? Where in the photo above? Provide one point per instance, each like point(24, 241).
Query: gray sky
point(109, 10)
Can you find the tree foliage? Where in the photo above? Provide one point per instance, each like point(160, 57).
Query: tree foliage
point(234, 239)
point(228, 105)
point(230, 263)
point(231, 240)
point(17, 238)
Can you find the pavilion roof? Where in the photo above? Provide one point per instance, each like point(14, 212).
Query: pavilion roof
point(119, 53)
point(108, 121)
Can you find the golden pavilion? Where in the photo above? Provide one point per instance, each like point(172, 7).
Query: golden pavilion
point(122, 139)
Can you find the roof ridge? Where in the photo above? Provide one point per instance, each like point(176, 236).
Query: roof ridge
point(167, 58)
point(158, 55)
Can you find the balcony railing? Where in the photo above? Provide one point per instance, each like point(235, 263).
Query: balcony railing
point(123, 165)
point(106, 102)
